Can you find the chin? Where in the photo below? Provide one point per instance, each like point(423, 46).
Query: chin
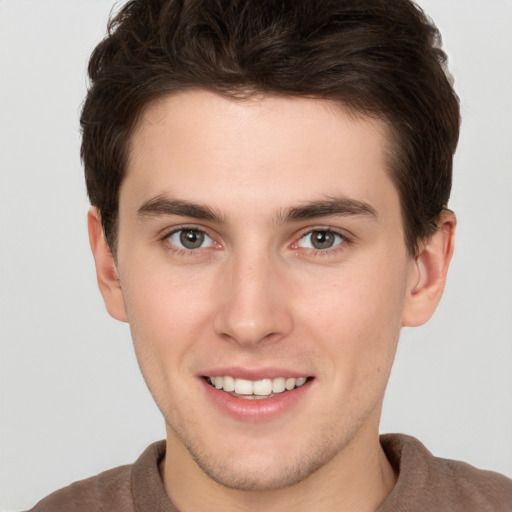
point(259, 478)
point(266, 466)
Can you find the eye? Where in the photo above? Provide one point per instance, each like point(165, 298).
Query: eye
point(320, 239)
point(190, 239)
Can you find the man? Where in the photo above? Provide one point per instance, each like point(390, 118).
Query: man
point(269, 185)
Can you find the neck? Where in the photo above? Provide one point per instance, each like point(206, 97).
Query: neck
point(358, 478)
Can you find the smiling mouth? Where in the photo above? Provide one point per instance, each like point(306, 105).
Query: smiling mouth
point(257, 389)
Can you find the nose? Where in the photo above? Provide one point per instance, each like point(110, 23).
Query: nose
point(253, 304)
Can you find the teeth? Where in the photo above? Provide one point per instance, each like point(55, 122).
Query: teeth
point(258, 388)
point(290, 384)
point(278, 385)
point(243, 387)
point(262, 387)
point(228, 384)
point(301, 381)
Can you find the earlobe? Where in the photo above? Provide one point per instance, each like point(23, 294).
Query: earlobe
point(106, 270)
point(429, 274)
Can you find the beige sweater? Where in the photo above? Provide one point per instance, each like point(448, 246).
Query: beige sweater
point(425, 484)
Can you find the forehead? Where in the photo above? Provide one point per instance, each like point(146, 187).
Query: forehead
point(265, 151)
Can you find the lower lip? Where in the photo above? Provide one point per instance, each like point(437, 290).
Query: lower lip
point(258, 410)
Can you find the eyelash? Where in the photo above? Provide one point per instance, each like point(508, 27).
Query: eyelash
point(181, 251)
point(341, 246)
point(345, 241)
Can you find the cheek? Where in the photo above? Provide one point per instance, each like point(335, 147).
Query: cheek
point(356, 319)
point(167, 313)
point(162, 299)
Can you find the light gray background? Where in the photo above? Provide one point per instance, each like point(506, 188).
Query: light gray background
point(72, 401)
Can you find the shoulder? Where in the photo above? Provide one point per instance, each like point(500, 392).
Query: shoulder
point(442, 484)
point(115, 489)
point(470, 486)
point(108, 489)
point(474, 481)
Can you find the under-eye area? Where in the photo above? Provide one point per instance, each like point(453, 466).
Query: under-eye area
point(257, 389)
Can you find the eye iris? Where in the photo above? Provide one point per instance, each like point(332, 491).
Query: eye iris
point(322, 239)
point(191, 239)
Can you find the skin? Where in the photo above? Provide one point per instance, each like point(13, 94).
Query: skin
point(258, 294)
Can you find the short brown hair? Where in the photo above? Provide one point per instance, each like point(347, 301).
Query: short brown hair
point(376, 57)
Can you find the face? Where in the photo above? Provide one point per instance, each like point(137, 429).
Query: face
point(264, 274)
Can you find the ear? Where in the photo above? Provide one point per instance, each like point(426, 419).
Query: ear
point(106, 269)
point(429, 271)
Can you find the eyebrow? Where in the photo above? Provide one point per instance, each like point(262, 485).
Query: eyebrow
point(333, 206)
point(162, 206)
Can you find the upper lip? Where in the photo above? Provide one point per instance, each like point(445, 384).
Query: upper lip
point(255, 373)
